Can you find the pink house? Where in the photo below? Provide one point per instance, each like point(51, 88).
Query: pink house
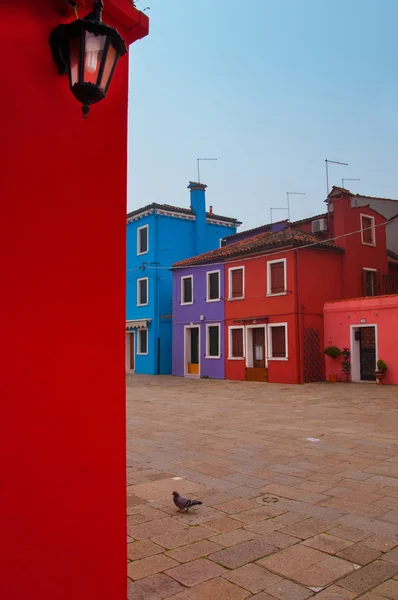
point(368, 328)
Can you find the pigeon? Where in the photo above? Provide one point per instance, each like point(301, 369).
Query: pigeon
point(184, 503)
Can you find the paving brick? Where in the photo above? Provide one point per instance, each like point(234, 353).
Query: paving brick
point(359, 554)
point(384, 544)
point(236, 506)
point(289, 561)
point(349, 533)
point(216, 589)
point(193, 573)
point(239, 555)
point(157, 587)
point(149, 566)
point(262, 596)
point(224, 524)
point(252, 578)
point(194, 551)
point(391, 557)
point(287, 590)
point(388, 589)
point(369, 577)
point(293, 493)
point(263, 527)
point(308, 528)
point(280, 540)
point(183, 537)
point(323, 573)
point(327, 543)
point(232, 538)
point(335, 592)
point(261, 513)
point(138, 550)
point(155, 528)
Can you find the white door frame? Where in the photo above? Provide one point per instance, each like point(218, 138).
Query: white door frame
point(355, 350)
point(249, 344)
point(187, 350)
point(128, 350)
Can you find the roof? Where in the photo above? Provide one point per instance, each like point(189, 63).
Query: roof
point(255, 230)
point(393, 261)
point(309, 219)
point(178, 209)
point(336, 190)
point(370, 298)
point(261, 242)
point(392, 254)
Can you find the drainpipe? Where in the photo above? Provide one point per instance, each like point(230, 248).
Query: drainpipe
point(157, 296)
point(298, 327)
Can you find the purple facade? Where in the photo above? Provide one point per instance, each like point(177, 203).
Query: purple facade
point(198, 324)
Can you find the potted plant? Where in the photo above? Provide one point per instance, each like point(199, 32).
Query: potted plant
point(346, 353)
point(345, 365)
point(381, 370)
point(332, 352)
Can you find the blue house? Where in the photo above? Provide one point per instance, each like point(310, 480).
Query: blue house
point(159, 235)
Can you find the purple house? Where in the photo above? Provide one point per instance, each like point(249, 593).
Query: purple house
point(198, 321)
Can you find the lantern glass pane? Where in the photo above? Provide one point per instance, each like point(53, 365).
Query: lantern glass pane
point(94, 51)
point(74, 58)
point(110, 60)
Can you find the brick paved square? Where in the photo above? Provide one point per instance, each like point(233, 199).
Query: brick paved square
point(315, 510)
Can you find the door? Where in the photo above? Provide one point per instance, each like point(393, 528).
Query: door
point(192, 350)
point(132, 356)
point(367, 346)
point(259, 348)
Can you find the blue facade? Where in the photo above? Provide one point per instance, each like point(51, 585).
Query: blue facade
point(173, 234)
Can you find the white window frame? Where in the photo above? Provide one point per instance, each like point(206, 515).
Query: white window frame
point(208, 325)
point(208, 273)
point(230, 283)
point(270, 357)
point(374, 281)
point(230, 357)
point(373, 230)
point(269, 263)
point(139, 253)
point(147, 291)
point(182, 289)
point(139, 353)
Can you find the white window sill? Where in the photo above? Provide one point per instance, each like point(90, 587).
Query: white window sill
point(143, 304)
point(141, 253)
point(186, 303)
point(142, 353)
point(236, 298)
point(278, 294)
point(278, 358)
point(212, 357)
point(369, 244)
point(236, 358)
point(213, 300)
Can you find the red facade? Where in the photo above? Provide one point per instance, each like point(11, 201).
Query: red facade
point(62, 388)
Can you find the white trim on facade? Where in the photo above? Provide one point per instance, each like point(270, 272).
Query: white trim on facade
point(230, 297)
point(182, 290)
point(373, 230)
point(208, 325)
point(269, 263)
point(242, 328)
point(139, 229)
point(270, 357)
point(140, 331)
point(249, 344)
point(355, 350)
point(147, 291)
point(186, 350)
point(208, 286)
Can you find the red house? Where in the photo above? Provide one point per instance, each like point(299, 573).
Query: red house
point(276, 285)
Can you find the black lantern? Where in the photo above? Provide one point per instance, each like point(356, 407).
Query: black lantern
point(88, 50)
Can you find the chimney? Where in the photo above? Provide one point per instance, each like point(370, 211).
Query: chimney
point(210, 210)
point(198, 206)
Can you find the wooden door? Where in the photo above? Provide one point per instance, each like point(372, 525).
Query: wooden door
point(368, 353)
point(132, 355)
point(259, 348)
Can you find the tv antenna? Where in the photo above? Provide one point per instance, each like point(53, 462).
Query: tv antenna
point(333, 162)
point(198, 163)
point(288, 200)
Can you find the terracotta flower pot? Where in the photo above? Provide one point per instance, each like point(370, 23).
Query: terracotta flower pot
point(332, 378)
point(380, 377)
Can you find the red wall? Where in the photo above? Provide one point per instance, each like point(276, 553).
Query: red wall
point(357, 255)
point(256, 304)
point(62, 409)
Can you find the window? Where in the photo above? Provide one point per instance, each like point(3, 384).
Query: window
point(236, 349)
point(213, 286)
point(142, 341)
point(187, 290)
point(370, 282)
point(236, 285)
point(142, 291)
point(368, 231)
point(142, 240)
point(277, 341)
point(213, 341)
point(276, 277)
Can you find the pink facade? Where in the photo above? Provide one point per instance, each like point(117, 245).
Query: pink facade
point(368, 327)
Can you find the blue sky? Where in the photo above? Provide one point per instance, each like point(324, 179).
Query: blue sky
point(271, 88)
